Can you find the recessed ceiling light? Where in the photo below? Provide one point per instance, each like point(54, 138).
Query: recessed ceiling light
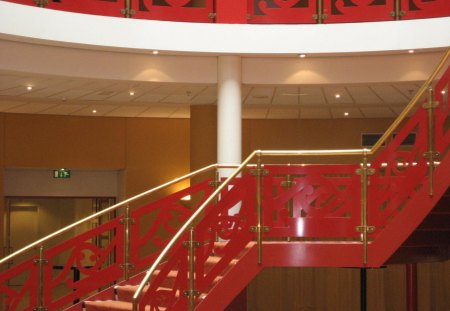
point(131, 93)
point(94, 111)
point(346, 114)
point(29, 87)
point(337, 95)
point(302, 55)
point(155, 52)
point(410, 51)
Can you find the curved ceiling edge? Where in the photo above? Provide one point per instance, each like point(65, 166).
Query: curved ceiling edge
point(19, 22)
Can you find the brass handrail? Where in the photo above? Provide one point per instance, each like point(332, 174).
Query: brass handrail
point(341, 152)
point(420, 93)
point(227, 181)
point(109, 209)
point(186, 225)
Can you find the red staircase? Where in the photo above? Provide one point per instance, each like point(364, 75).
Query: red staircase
point(342, 215)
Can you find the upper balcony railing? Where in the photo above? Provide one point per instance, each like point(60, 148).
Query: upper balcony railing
point(254, 11)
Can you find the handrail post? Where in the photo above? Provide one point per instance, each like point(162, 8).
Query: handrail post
point(127, 221)
point(364, 228)
point(41, 3)
point(259, 229)
point(215, 184)
point(397, 13)
point(192, 292)
point(127, 12)
point(41, 262)
point(431, 154)
point(287, 184)
point(319, 16)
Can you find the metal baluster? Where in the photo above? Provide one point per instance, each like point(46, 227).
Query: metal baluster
point(287, 184)
point(431, 154)
point(215, 184)
point(192, 292)
point(364, 228)
point(127, 221)
point(41, 262)
point(259, 229)
point(127, 12)
point(41, 3)
point(319, 16)
point(398, 13)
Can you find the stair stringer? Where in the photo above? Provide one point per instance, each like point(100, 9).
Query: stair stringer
point(416, 209)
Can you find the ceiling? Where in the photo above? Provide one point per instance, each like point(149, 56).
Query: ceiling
point(58, 95)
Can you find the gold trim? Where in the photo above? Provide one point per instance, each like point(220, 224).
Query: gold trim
point(390, 131)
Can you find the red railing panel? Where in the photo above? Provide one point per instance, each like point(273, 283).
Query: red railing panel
point(322, 201)
point(174, 10)
point(282, 12)
point(99, 264)
point(258, 11)
point(414, 9)
point(349, 11)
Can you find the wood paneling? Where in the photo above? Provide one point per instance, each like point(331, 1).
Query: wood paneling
point(43, 141)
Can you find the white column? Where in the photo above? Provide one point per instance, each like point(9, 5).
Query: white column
point(229, 114)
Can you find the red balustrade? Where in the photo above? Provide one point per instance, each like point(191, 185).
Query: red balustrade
point(256, 11)
point(413, 9)
point(98, 264)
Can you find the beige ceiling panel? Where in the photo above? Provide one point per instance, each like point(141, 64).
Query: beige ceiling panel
point(100, 110)
point(363, 95)
point(286, 96)
point(5, 104)
point(14, 91)
point(343, 113)
point(283, 113)
point(337, 95)
point(377, 112)
point(254, 112)
point(63, 109)
point(314, 113)
point(159, 111)
point(311, 95)
point(127, 111)
point(31, 108)
point(182, 113)
point(260, 95)
point(389, 94)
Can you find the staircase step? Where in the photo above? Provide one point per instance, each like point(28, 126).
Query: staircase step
point(108, 305)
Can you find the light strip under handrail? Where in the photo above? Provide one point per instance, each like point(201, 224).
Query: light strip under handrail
point(111, 208)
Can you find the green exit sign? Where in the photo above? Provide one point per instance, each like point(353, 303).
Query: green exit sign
point(61, 173)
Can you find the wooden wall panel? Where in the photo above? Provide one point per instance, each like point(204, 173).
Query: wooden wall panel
point(64, 141)
point(157, 151)
point(337, 289)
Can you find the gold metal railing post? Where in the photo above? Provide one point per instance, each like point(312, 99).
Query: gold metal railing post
point(215, 184)
point(287, 184)
point(431, 154)
point(259, 228)
point(319, 16)
point(127, 12)
point(397, 13)
point(364, 228)
point(41, 3)
point(192, 292)
point(127, 221)
point(41, 262)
